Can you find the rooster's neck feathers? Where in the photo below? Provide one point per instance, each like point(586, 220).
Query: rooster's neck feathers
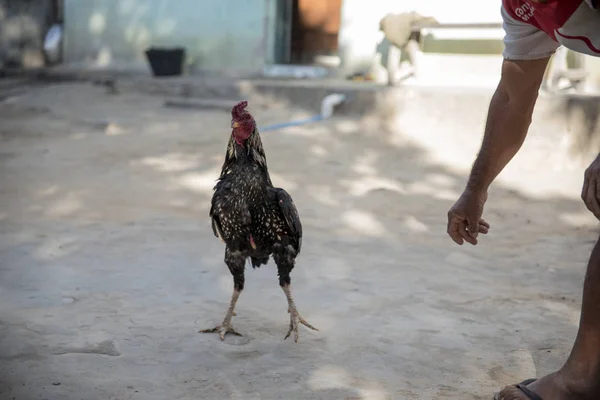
point(252, 152)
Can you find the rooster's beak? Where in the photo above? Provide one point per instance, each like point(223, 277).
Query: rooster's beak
point(234, 124)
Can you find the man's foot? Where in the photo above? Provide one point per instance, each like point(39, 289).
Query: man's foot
point(550, 387)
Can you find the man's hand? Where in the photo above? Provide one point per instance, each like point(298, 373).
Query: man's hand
point(590, 194)
point(464, 218)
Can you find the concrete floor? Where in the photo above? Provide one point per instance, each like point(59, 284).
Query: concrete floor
point(108, 265)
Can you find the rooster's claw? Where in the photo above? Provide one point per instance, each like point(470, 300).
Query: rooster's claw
point(222, 330)
point(295, 321)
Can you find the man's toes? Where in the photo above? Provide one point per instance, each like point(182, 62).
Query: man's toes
point(511, 393)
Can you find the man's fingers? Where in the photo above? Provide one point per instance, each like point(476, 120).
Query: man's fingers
point(483, 229)
point(586, 185)
point(597, 197)
point(462, 229)
point(591, 198)
point(589, 187)
point(453, 231)
point(473, 228)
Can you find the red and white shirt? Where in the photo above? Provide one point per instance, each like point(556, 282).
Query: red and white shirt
point(534, 30)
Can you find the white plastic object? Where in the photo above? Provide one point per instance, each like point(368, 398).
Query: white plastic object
point(329, 103)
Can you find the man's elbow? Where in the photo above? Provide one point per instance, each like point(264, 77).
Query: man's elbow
point(520, 84)
point(521, 102)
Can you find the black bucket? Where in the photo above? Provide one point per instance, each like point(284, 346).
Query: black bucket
point(166, 62)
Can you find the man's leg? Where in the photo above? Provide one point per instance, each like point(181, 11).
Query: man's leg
point(579, 378)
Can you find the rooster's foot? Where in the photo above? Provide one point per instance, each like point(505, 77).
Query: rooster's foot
point(295, 321)
point(222, 329)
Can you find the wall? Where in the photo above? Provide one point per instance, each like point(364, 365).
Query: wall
point(220, 35)
point(23, 25)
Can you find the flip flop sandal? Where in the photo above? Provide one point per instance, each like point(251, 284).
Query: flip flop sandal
point(523, 388)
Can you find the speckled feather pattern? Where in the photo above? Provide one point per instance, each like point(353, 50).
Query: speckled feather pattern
point(252, 217)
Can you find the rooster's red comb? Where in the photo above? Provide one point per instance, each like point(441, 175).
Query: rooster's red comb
point(238, 111)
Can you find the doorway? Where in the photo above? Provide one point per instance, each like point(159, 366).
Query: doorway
point(307, 29)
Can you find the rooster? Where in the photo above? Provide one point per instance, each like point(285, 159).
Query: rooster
point(253, 218)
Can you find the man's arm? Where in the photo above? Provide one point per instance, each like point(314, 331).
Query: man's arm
point(527, 50)
point(508, 120)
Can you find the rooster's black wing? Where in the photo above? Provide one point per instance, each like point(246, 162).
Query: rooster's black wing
point(292, 219)
point(230, 217)
point(216, 223)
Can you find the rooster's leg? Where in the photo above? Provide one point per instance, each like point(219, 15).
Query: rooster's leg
point(225, 327)
point(295, 317)
point(285, 263)
point(237, 270)
point(284, 267)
